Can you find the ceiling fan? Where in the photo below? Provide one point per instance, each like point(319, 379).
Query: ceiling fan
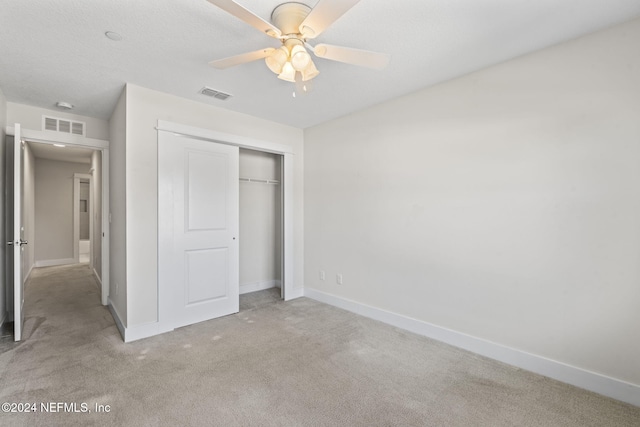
point(294, 24)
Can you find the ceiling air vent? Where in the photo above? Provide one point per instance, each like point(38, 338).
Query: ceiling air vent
point(63, 125)
point(77, 128)
point(214, 93)
point(50, 124)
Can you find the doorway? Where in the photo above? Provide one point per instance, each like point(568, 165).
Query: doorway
point(43, 158)
point(260, 221)
point(83, 218)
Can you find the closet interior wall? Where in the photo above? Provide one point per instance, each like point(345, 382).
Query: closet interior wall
point(260, 221)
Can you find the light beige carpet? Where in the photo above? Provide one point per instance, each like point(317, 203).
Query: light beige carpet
point(300, 363)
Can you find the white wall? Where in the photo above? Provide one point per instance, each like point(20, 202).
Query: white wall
point(96, 238)
point(31, 118)
point(3, 237)
point(28, 211)
point(260, 216)
point(117, 205)
point(144, 108)
point(504, 204)
point(54, 210)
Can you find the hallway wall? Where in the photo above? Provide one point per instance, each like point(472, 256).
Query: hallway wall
point(96, 239)
point(54, 210)
point(118, 206)
point(31, 118)
point(3, 237)
point(28, 208)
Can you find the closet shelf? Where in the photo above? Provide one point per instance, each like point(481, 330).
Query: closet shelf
point(261, 181)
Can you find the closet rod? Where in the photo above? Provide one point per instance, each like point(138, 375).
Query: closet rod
point(261, 181)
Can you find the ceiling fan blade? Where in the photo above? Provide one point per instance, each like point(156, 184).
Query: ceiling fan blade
point(363, 58)
point(231, 61)
point(247, 16)
point(325, 13)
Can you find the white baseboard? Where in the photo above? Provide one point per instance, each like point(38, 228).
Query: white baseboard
point(52, 262)
point(98, 280)
point(137, 332)
point(259, 286)
point(293, 294)
point(116, 318)
point(28, 275)
point(145, 330)
point(607, 386)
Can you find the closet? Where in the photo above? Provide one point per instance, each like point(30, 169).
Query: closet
point(222, 225)
point(260, 221)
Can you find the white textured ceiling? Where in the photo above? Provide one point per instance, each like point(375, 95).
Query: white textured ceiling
point(52, 50)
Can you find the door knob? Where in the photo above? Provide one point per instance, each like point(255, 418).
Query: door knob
point(23, 242)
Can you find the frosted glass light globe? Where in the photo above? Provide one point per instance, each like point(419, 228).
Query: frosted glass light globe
point(300, 58)
point(277, 59)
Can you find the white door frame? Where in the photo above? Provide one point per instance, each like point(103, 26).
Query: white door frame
point(47, 137)
point(287, 202)
point(17, 284)
point(77, 178)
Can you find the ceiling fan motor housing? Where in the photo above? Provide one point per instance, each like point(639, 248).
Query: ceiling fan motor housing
point(288, 17)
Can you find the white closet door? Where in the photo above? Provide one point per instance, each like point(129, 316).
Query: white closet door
point(198, 218)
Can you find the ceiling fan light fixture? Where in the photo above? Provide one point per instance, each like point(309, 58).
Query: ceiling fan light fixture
point(293, 23)
point(288, 73)
point(310, 72)
point(277, 59)
point(307, 31)
point(300, 58)
point(320, 50)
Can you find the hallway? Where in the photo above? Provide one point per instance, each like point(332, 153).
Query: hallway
point(63, 303)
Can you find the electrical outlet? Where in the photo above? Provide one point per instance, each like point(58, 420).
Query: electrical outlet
point(339, 279)
point(322, 275)
point(117, 287)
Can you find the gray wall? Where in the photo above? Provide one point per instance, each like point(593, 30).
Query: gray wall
point(504, 204)
point(3, 237)
point(96, 239)
point(31, 118)
point(54, 209)
point(117, 205)
point(28, 207)
point(260, 216)
point(144, 108)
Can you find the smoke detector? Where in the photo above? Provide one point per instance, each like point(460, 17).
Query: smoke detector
point(64, 105)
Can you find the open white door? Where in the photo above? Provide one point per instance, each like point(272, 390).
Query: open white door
point(18, 237)
point(198, 217)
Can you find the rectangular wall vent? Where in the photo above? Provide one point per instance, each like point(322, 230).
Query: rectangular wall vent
point(50, 124)
point(215, 93)
point(63, 125)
